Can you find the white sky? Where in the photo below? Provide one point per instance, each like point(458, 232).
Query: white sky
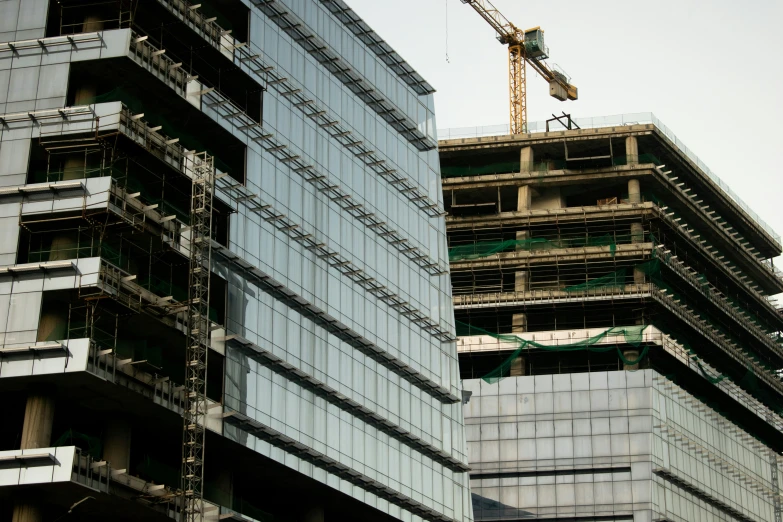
point(709, 70)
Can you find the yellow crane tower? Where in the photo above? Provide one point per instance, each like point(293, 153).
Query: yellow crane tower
point(523, 47)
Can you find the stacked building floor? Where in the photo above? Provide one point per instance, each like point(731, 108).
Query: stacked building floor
point(617, 338)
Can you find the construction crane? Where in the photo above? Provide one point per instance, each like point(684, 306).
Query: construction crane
point(523, 47)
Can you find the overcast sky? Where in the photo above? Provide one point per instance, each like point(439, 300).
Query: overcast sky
point(709, 70)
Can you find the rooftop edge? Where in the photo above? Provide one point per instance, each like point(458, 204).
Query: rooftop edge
point(617, 120)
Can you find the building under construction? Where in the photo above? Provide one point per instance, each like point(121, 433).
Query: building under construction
point(218, 299)
point(612, 298)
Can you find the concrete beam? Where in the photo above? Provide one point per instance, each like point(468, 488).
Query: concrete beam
point(552, 177)
point(547, 298)
point(523, 140)
point(564, 215)
point(528, 258)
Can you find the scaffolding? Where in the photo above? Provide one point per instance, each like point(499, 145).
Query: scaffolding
point(202, 168)
point(133, 272)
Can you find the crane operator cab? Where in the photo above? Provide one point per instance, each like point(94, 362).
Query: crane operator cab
point(534, 44)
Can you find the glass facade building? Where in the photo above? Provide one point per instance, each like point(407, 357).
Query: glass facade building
point(642, 447)
point(288, 146)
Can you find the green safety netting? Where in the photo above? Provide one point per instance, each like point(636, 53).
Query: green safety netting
point(161, 286)
point(697, 360)
point(616, 279)
point(632, 335)
point(113, 255)
point(487, 248)
point(139, 350)
point(75, 438)
point(750, 383)
point(154, 197)
point(472, 170)
point(619, 278)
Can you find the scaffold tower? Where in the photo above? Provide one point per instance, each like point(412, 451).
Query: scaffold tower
point(200, 167)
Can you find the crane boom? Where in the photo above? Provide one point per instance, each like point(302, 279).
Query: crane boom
point(523, 50)
point(508, 32)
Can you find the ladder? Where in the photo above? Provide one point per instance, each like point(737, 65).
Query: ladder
point(201, 168)
point(773, 461)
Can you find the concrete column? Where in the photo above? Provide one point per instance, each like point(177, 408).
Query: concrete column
point(85, 94)
point(53, 325)
point(638, 277)
point(517, 368)
point(524, 197)
point(519, 323)
point(224, 488)
point(522, 277)
point(631, 150)
point(116, 442)
point(631, 354)
point(521, 281)
point(36, 433)
point(637, 233)
point(25, 512)
point(314, 514)
point(63, 246)
point(526, 159)
point(38, 420)
point(92, 23)
point(634, 191)
point(74, 166)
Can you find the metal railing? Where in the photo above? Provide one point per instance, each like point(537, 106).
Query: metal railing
point(189, 13)
point(678, 351)
point(685, 313)
point(690, 234)
point(105, 363)
point(533, 296)
point(99, 475)
point(715, 296)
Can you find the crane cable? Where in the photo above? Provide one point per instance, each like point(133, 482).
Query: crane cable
point(447, 32)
